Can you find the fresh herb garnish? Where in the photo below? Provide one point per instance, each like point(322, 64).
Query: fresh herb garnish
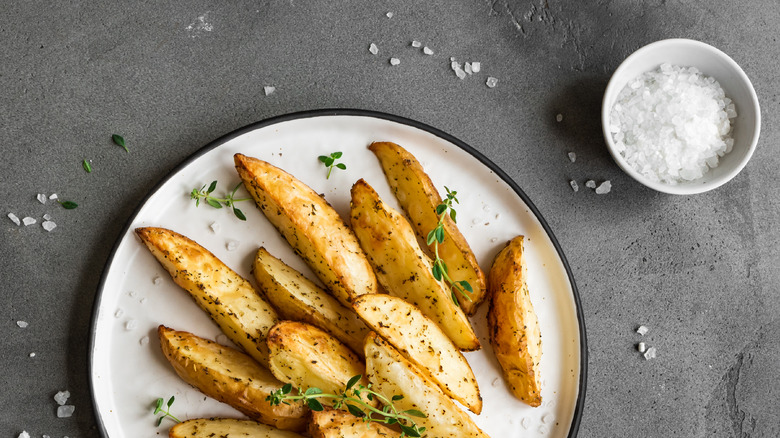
point(88, 167)
point(330, 162)
point(68, 205)
point(158, 408)
point(118, 139)
point(351, 398)
point(229, 200)
point(435, 237)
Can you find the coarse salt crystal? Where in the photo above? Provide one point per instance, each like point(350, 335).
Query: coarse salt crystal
point(373, 49)
point(572, 156)
point(574, 186)
point(559, 118)
point(495, 382)
point(494, 240)
point(119, 313)
point(131, 294)
point(131, 325)
point(524, 422)
point(32, 354)
point(28, 221)
point(65, 411)
point(53, 196)
point(156, 280)
point(22, 324)
point(215, 227)
point(45, 436)
point(548, 418)
point(427, 50)
point(476, 67)
point(48, 225)
point(231, 245)
point(42, 198)
point(475, 221)
point(416, 43)
point(144, 340)
point(389, 15)
point(395, 61)
point(467, 68)
point(604, 188)
point(24, 434)
point(61, 397)
point(590, 184)
point(543, 429)
point(455, 66)
point(143, 300)
point(641, 347)
point(14, 218)
point(46, 217)
point(642, 330)
point(491, 82)
point(452, 59)
point(650, 353)
point(269, 90)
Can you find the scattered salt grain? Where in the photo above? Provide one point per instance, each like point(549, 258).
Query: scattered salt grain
point(543, 429)
point(373, 49)
point(642, 330)
point(53, 196)
point(590, 184)
point(467, 68)
point(157, 280)
point(269, 90)
point(14, 218)
point(455, 66)
point(215, 227)
point(131, 325)
point(48, 225)
point(452, 59)
point(143, 300)
point(395, 61)
point(641, 347)
point(24, 434)
point(650, 353)
point(416, 43)
point(498, 215)
point(559, 118)
point(572, 156)
point(45, 436)
point(65, 411)
point(22, 324)
point(61, 397)
point(474, 221)
point(47, 217)
point(574, 186)
point(494, 240)
point(32, 354)
point(28, 221)
point(119, 313)
point(491, 82)
point(548, 418)
point(604, 188)
point(231, 245)
point(476, 67)
point(427, 50)
point(131, 294)
point(144, 340)
point(495, 382)
point(42, 198)
point(524, 422)
point(389, 15)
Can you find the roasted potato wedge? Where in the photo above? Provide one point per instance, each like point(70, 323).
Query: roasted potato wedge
point(422, 342)
point(332, 423)
point(391, 374)
point(418, 197)
point(226, 427)
point(229, 376)
point(513, 326)
point(402, 268)
point(296, 298)
point(231, 301)
point(311, 226)
point(307, 357)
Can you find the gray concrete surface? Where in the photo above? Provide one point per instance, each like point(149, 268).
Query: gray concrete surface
point(700, 271)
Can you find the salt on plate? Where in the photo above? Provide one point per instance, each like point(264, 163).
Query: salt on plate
point(47, 217)
point(32, 354)
point(604, 188)
point(467, 68)
point(641, 347)
point(459, 72)
point(491, 82)
point(642, 330)
point(53, 196)
point(572, 156)
point(22, 324)
point(269, 90)
point(416, 44)
point(394, 61)
point(156, 280)
point(231, 245)
point(24, 434)
point(373, 49)
point(61, 397)
point(144, 340)
point(559, 118)
point(65, 411)
point(131, 325)
point(29, 221)
point(48, 225)
point(389, 15)
point(574, 185)
point(548, 418)
point(590, 184)
point(672, 124)
point(427, 50)
point(42, 198)
point(14, 218)
point(215, 227)
point(650, 353)
point(476, 67)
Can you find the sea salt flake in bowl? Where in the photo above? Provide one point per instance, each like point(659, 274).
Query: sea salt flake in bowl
point(680, 116)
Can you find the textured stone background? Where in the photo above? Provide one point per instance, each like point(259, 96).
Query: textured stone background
point(700, 271)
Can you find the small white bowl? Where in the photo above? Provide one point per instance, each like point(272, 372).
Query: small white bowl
point(711, 62)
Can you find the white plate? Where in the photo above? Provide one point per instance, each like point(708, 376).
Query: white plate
point(128, 372)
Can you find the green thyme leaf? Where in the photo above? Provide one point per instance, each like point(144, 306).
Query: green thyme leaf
point(118, 139)
point(212, 187)
point(239, 214)
point(68, 205)
point(85, 164)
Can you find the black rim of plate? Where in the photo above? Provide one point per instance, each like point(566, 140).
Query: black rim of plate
point(578, 408)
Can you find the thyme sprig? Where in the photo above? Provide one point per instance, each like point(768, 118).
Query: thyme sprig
point(330, 162)
point(351, 398)
point(158, 408)
point(436, 237)
point(229, 200)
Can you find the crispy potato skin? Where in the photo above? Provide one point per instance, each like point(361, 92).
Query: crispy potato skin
point(391, 374)
point(421, 341)
point(418, 197)
point(295, 297)
point(231, 301)
point(332, 423)
point(513, 325)
point(226, 427)
point(307, 357)
point(229, 376)
point(402, 268)
point(311, 226)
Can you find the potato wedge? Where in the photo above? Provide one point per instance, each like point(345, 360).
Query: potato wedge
point(231, 301)
point(311, 226)
point(230, 376)
point(307, 357)
point(226, 427)
point(295, 297)
point(513, 325)
point(402, 268)
point(422, 342)
point(418, 197)
point(391, 374)
point(333, 423)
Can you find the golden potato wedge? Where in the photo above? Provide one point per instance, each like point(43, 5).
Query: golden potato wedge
point(230, 376)
point(513, 326)
point(391, 374)
point(418, 197)
point(295, 297)
point(307, 357)
point(231, 301)
point(226, 427)
point(422, 342)
point(402, 268)
point(311, 226)
point(333, 423)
